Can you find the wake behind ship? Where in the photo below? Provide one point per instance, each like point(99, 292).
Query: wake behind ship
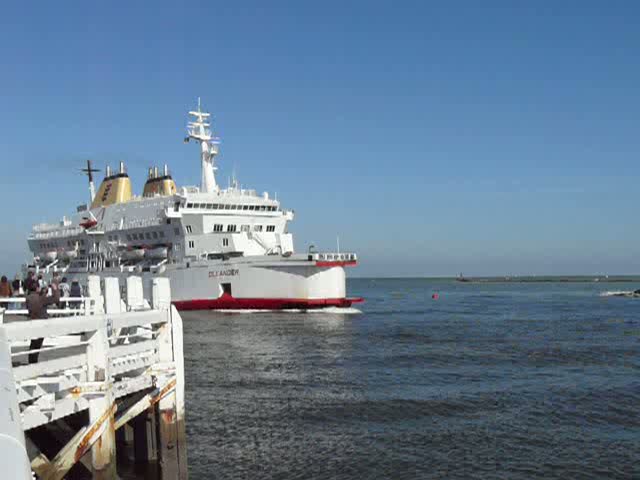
point(221, 248)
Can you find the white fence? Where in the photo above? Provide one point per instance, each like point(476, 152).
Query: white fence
point(66, 306)
point(92, 361)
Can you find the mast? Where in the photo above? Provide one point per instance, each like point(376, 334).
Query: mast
point(89, 171)
point(198, 130)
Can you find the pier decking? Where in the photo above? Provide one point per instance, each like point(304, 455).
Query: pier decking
point(109, 376)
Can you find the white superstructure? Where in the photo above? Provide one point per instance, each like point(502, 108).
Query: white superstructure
point(221, 248)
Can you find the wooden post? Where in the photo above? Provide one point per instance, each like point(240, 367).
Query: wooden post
point(13, 453)
point(166, 414)
point(144, 438)
point(103, 453)
point(168, 422)
point(178, 357)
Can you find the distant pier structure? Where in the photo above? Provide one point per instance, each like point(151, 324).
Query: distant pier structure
point(107, 390)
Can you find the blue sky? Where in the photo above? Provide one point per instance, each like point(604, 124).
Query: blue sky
point(432, 137)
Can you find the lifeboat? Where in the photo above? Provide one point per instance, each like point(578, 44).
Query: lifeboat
point(51, 255)
point(69, 254)
point(88, 223)
point(133, 254)
point(156, 252)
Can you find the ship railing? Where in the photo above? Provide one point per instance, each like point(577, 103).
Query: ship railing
point(334, 257)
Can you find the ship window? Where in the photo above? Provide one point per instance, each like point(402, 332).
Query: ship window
point(227, 207)
point(189, 205)
point(176, 230)
point(148, 235)
point(263, 208)
point(155, 235)
point(271, 228)
point(225, 242)
point(128, 237)
point(210, 206)
point(231, 228)
point(251, 207)
point(192, 244)
point(257, 228)
point(81, 242)
point(161, 233)
point(245, 207)
point(189, 229)
point(245, 228)
point(217, 227)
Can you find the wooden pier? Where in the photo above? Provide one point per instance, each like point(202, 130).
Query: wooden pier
point(108, 384)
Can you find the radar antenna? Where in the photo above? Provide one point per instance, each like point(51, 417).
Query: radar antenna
point(89, 172)
point(198, 130)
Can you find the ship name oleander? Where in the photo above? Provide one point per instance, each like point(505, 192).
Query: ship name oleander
point(231, 272)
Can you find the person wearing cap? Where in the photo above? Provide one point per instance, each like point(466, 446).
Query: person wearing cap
point(37, 303)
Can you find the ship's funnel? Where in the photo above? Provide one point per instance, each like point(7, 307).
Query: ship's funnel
point(159, 185)
point(114, 188)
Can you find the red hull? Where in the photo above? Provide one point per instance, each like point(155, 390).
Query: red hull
point(227, 302)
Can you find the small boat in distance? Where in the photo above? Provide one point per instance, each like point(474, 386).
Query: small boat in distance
point(462, 278)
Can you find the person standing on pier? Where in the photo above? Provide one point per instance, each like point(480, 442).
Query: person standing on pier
point(5, 287)
point(37, 303)
point(30, 283)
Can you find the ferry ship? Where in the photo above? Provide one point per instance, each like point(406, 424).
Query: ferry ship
point(221, 248)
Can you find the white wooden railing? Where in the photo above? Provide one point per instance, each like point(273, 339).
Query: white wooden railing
point(91, 361)
point(66, 306)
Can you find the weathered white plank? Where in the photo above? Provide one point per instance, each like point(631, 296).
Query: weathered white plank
point(133, 362)
point(28, 330)
point(49, 366)
point(131, 385)
point(132, 348)
point(145, 402)
point(35, 415)
point(136, 319)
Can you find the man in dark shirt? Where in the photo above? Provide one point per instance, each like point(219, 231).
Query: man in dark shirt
point(30, 283)
point(37, 302)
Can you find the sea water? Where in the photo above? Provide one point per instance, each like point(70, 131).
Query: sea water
point(489, 380)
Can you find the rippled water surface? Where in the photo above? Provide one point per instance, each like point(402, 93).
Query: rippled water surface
point(487, 381)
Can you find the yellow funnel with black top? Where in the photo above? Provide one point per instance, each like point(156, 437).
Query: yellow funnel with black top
point(159, 184)
point(114, 188)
